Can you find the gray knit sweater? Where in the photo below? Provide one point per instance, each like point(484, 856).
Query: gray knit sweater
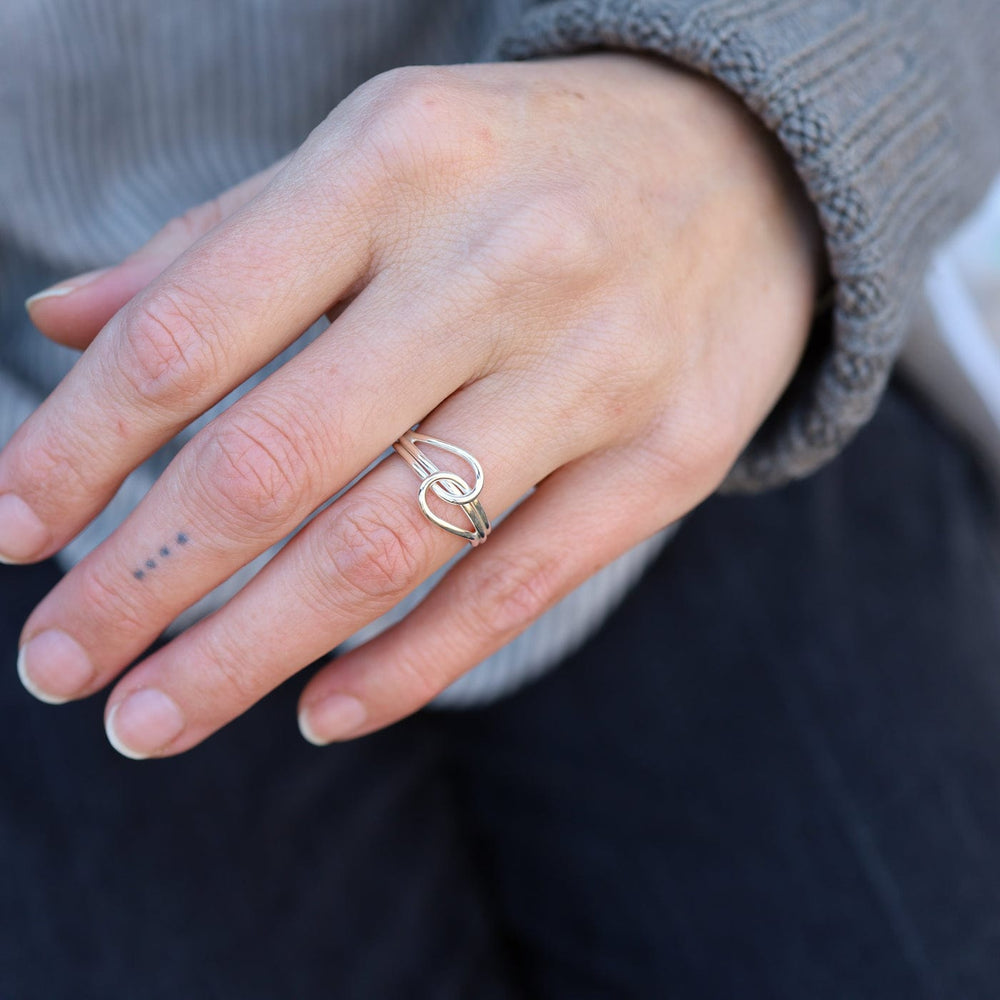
point(117, 114)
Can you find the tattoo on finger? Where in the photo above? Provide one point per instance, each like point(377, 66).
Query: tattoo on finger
point(165, 552)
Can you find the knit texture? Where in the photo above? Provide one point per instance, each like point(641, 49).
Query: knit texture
point(888, 111)
point(115, 117)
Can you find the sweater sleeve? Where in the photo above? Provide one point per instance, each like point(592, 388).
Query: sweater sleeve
point(888, 110)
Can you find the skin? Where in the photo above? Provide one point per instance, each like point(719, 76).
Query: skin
point(594, 273)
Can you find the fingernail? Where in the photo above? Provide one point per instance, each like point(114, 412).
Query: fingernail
point(54, 667)
point(22, 535)
point(144, 723)
point(333, 718)
point(65, 287)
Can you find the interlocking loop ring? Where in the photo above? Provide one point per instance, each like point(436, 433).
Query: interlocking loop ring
point(448, 486)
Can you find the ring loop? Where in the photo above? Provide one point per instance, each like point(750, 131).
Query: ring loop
point(447, 486)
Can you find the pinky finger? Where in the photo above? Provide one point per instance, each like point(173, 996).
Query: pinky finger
point(549, 545)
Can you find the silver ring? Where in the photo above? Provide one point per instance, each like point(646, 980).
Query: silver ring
point(448, 486)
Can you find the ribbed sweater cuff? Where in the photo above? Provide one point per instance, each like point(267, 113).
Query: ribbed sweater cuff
point(866, 123)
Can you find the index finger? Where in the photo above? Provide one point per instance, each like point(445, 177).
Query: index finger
point(223, 309)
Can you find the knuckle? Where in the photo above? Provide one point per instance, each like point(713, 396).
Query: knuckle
point(53, 471)
point(511, 593)
point(420, 675)
point(167, 348)
point(413, 96)
point(619, 374)
point(107, 606)
point(255, 474)
point(692, 450)
point(554, 238)
point(225, 664)
point(380, 550)
point(190, 226)
point(709, 423)
point(415, 124)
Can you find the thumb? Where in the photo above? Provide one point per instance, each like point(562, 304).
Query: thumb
point(74, 311)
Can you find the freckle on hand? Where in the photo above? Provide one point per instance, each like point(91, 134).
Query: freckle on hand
point(150, 564)
point(139, 574)
point(164, 552)
point(182, 539)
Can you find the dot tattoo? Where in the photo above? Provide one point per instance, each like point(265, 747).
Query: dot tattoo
point(164, 551)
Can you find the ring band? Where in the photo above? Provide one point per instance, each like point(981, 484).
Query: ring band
point(447, 486)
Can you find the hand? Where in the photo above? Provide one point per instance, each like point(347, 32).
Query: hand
point(593, 273)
